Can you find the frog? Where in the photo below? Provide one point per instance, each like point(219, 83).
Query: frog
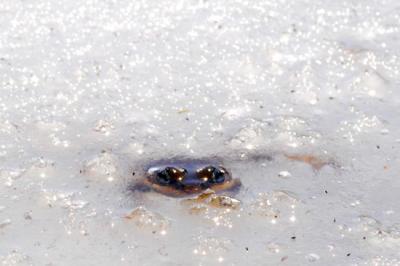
point(186, 177)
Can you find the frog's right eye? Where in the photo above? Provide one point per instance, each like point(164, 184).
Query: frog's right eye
point(163, 177)
point(170, 175)
point(213, 175)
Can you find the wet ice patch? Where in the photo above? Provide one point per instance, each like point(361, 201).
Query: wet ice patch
point(5, 223)
point(102, 167)
point(8, 176)
point(103, 127)
point(212, 250)
point(274, 133)
point(276, 205)
point(148, 220)
point(272, 87)
point(15, 258)
point(373, 231)
point(218, 210)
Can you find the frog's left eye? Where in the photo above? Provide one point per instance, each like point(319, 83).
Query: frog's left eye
point(213, 174)
point(170, 175)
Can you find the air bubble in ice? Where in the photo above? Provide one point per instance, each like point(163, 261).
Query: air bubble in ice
point(312, 257)
point(103, 127)
point(65, 200)
point(385, 131)
point(274, 247)
point(15, 258)
point(40, 167)
point(5, 223)
point(383, 261)
point(74, 204)
point(149, 220)
point(369, 224)
point(102, 166)
point(210, 246)
point(284, 174)
point(394, 231)
point(10, 175)
point(250, 136)
point(42, 163)
point(284, 196)
point(276, 204)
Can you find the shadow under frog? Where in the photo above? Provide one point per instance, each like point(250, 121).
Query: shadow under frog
point(185, 177)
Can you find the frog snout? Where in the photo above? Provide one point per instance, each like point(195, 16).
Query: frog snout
point(195, 182)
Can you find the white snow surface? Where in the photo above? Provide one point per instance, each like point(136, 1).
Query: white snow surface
point(91, 91)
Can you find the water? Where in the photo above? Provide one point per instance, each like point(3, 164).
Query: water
point(93, 90)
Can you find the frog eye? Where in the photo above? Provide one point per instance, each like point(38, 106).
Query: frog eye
point(170, 175)
point(213, 174)
point(218, 175)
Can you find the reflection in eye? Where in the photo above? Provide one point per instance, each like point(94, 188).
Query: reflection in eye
point(170, 175)
point(163, 177)
point(212, 174)
point(218, 176)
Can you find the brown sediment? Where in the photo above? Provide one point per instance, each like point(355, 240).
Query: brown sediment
point(224, 202)
point(196, 210)
point(231, 185)
point(315, 162)
point(207, 199)
point(202, 198)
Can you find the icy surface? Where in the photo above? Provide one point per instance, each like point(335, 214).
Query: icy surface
point(299, 98)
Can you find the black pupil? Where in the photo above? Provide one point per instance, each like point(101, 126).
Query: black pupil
point(163, 177)
point(169, 175)
point(217, 176)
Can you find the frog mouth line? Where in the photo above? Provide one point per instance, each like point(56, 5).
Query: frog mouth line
point(183, 191)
